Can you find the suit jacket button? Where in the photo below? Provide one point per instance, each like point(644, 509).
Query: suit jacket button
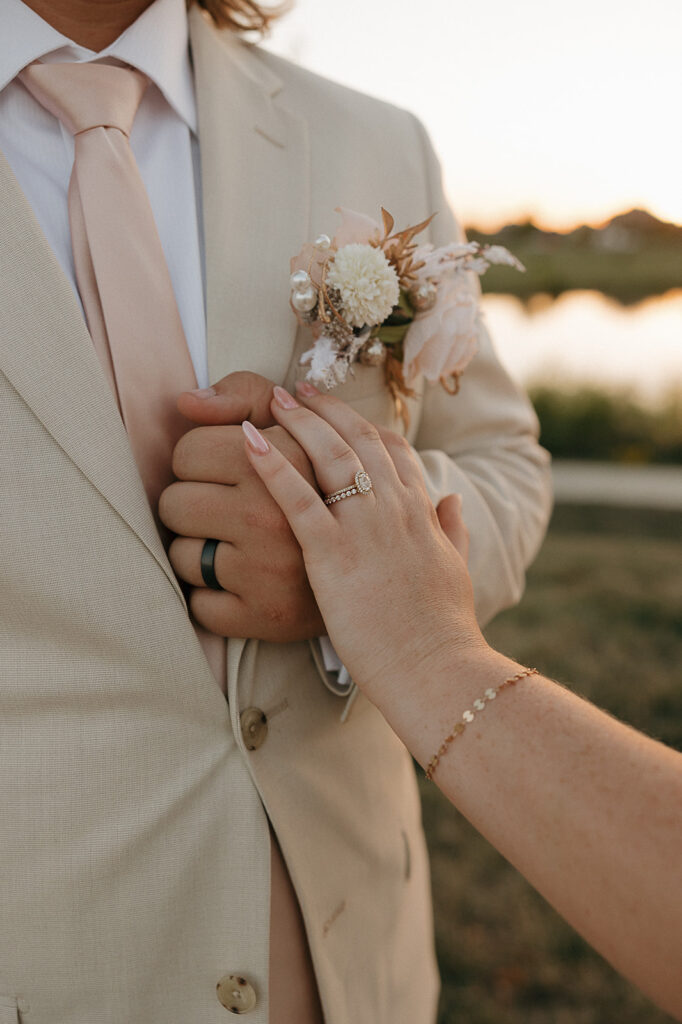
point(254, 726)
point(236, 994)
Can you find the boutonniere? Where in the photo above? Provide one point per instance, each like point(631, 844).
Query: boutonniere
point(372, 295)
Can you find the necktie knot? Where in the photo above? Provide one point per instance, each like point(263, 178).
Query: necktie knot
point(85, 96)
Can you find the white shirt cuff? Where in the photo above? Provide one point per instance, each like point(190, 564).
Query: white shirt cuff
point(333, 663)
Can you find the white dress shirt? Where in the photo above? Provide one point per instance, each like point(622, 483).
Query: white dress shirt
point(40, 150)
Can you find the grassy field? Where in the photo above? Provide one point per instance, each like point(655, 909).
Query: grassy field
point(603, 610)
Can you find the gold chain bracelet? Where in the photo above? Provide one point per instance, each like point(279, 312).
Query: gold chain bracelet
point(468, 716)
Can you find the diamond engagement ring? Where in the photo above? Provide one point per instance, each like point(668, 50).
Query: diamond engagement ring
point(361, 485)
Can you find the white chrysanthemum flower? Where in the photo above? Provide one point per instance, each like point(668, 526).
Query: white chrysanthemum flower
point(367, 283)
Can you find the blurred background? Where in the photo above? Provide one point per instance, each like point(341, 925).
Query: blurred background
point(558, 131)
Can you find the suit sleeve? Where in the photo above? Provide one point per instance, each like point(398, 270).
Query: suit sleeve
point(483, 444)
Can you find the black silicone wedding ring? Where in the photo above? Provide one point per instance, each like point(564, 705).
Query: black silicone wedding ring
point(208, 565)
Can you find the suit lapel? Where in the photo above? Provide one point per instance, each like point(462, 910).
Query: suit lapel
point(256, 188)
point(47, 355)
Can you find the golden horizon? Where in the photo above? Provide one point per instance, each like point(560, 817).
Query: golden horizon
point(491, 224)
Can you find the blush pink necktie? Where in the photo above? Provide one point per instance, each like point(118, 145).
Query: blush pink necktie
point(121, 270)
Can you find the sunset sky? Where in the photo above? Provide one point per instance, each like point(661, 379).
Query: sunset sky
point(567, 112)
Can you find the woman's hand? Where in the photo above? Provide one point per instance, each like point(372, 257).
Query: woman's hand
point(394, 592)
point(585, 807)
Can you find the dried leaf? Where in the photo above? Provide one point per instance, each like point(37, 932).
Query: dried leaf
point(422, 227)
point(405, 237)
point(388, 222)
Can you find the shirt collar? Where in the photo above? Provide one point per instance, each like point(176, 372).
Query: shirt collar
point(156, 43)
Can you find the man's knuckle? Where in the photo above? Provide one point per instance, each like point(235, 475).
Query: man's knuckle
point(199, 503)
point(176, 552)
point(169, 500)
point(180, 458)
point(256, 383)
point(209, 450)
point(186, 450)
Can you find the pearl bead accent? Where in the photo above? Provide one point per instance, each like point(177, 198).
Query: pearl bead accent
point(304, 301)
point(299, 280)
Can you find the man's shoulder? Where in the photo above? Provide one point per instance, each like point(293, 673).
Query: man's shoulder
point(315, 95)
point(336, 114)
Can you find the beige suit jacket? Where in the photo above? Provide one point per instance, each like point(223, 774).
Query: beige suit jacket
point(134, 851)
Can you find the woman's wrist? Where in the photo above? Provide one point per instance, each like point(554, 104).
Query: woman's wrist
point(422, 704)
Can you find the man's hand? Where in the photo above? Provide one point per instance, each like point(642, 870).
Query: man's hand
point(218, 495)
point(237, 397)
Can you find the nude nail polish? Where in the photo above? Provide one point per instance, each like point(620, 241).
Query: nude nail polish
point(284, 399)
point(255, 439)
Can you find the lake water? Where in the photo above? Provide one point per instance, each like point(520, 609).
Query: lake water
point(586, 337)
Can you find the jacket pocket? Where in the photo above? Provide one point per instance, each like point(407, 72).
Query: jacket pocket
point(9, 1010)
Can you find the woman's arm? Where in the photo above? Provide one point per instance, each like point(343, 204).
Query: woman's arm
point(585, 807)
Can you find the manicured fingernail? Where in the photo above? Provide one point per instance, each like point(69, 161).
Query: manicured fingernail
point(306, 389)
point(284, 399)
point(204, 392)
point(255, 439)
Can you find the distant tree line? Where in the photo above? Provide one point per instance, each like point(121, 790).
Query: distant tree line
point(630, 258)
